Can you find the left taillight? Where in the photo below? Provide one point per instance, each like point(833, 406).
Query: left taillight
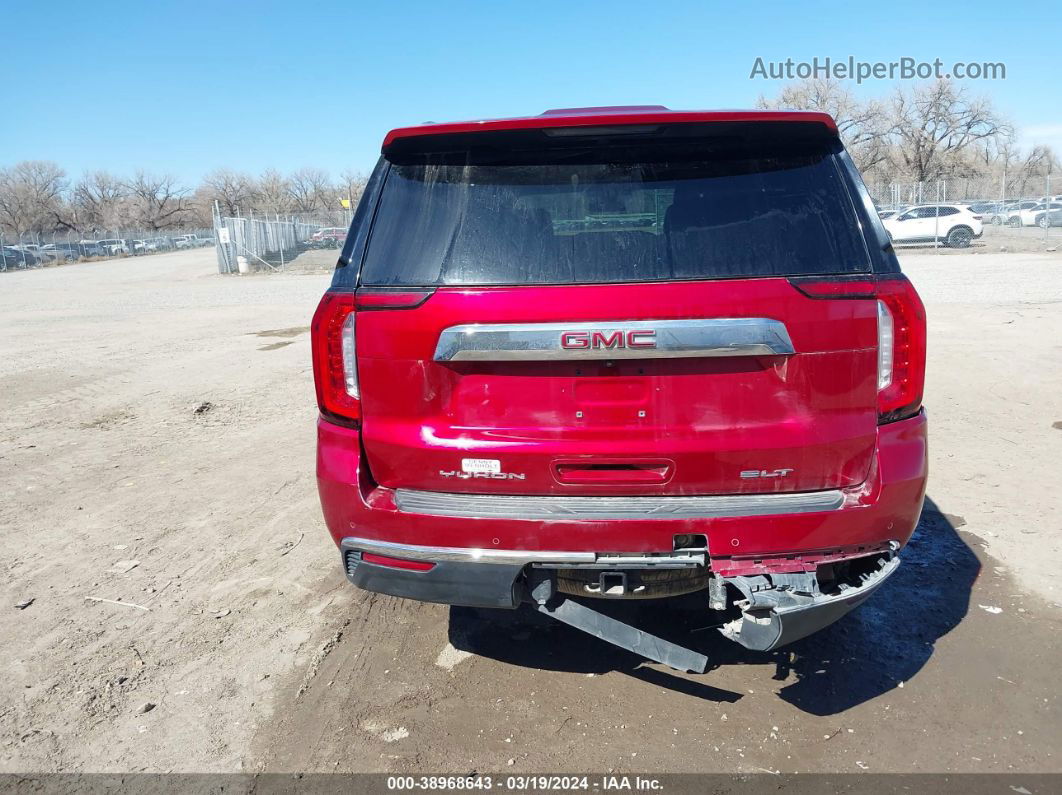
point(335, 366)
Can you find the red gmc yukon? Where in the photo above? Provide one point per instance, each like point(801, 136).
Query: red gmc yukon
point(622, 353)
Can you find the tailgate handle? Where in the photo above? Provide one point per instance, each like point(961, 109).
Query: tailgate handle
point(609, 473)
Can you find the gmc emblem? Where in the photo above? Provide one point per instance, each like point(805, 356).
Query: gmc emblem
point(587, 340)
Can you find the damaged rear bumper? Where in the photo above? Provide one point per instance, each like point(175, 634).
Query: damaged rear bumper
point(776, 608)
point(786, 608)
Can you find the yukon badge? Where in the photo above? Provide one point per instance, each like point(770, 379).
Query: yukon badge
point(765, 473)
point(450, 473)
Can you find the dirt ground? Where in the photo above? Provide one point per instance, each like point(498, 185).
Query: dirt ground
point(158, 506)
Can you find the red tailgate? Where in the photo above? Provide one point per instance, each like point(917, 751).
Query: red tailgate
point(641, 421)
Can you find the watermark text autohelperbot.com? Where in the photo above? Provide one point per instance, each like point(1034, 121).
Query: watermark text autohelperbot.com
point(852, 69)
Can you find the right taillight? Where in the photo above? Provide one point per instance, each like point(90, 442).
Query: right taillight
point(901, 349)
point(901, 365)
point(335, 367)
point(886, 335)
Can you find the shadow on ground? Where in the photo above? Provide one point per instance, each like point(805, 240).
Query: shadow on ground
point(882, 643)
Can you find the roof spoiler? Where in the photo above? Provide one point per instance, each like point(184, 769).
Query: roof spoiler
point(571, 119)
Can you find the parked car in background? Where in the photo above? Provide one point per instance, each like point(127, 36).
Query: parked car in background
point(1050, 217)
point(33, 251)
point(950, 224)
point(1029, 216)
point(328, 237)
point(42, 254)
point(114, 246)
point(91, 248)
point(892, 210)
point(156, 244)
point(192, 241)
point(9, 258)
point(68, 252)
point(985, 209)
point(15, 257)
point(1009, 209)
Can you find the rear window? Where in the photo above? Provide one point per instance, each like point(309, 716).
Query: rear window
point(574, 215)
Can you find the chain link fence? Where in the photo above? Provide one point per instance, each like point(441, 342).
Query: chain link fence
point(1038, 215)
point(34, 250)
point(247, 244)
point(963, 190)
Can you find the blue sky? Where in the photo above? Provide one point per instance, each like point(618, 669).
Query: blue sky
point(184, 88)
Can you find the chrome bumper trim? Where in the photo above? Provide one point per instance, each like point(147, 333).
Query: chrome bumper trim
point(497, 506)
point(520, 556)
point(643, 339)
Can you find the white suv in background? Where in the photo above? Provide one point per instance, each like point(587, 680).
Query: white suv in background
point(1030, 216)
point(114, 246)
point(951, 224)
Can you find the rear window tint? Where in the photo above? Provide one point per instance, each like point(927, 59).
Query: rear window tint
point(613, 216)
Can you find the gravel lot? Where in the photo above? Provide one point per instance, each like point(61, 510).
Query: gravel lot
point(156, 450)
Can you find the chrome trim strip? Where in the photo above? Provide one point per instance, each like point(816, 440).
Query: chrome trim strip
point(518, 556)
point(497, 506)
point(500, 342)
point(467, 555)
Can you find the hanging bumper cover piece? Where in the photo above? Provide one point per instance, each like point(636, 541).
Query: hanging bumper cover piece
point(780, 608)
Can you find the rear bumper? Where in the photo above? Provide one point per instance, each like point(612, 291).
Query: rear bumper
point(769, 618)
point(479, 560)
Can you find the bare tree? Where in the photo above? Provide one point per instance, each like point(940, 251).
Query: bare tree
point(1001, 161)
point(351, 185)
point(1033, 169)
point(99, 201)
point(160, 203)
point(231, 189)
point(310, 190)
point(864, 126)
point(933, 125)
point(996, 152)
point(31, 197)
point(272, 193)
point(200, 207)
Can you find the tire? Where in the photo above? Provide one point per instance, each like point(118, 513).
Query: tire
point(997, 220)
point(959, 237)
point(1042, 222)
